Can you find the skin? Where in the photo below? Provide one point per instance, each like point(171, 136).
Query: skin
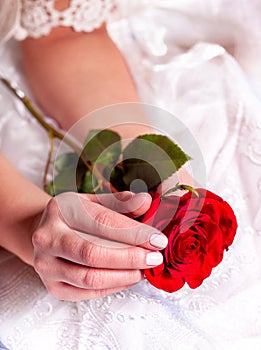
point(81, 246)
point(73, 74)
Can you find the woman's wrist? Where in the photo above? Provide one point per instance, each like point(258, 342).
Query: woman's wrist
point(21, 212)
point(18, 238)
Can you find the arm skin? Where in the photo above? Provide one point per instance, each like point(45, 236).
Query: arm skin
point(72, 74)
point(22, 204)
point(62, 69)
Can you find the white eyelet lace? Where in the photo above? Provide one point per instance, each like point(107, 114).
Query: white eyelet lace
point(38, 17)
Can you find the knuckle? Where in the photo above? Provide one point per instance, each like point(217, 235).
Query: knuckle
point(40, 239)
point(92, 279)
point(134, 258)
point(85, 253)
point(66, 244)
point(102, 218)
point(90, 254)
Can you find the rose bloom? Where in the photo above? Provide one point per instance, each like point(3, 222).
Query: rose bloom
point(199, 229)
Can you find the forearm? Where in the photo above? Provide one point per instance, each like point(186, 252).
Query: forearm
point(72, 74)
point(21, 206)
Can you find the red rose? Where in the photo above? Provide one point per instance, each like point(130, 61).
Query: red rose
point(199, 229)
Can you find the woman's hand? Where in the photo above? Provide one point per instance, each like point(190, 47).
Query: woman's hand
point(85, 247)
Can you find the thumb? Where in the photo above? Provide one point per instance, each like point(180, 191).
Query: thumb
point(126, 202)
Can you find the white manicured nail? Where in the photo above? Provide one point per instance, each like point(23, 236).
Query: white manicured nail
point(154, 259)
point(158, 241)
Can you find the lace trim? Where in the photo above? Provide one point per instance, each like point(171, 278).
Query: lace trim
point(38, 17)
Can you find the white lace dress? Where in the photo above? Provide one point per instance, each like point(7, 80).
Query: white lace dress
point(200, 61)
point(35, 18)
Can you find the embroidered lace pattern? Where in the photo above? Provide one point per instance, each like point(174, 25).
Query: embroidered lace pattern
point(38, 17)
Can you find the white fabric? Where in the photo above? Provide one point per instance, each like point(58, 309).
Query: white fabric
point(199, 60)
point(38, 17)
point(9, 18)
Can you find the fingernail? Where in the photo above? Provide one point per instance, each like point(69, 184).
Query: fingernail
point(158, 241)
point(154, 259)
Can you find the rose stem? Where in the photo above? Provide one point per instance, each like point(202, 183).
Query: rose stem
point(53, 132)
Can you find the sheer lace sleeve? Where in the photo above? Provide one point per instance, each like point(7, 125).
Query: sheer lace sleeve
point(38, 17)
point(9, 18)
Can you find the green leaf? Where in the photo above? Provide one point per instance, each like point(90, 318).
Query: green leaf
point(50, 190)
point(66, 160)
point(68, 179)
point(115, 177)
point(152, 158)
point(65, 181)
point(102, 147)
point(89, 184)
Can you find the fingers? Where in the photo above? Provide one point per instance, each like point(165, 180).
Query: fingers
point(90, 278)
point(125, 202)
point(83, 215)
point(68, 281)
point(99, 253)
point(83, 249)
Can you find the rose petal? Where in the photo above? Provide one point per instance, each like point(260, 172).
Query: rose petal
point(164, 282)
point(194, 281)
point(198, 231)
point(149, 216)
